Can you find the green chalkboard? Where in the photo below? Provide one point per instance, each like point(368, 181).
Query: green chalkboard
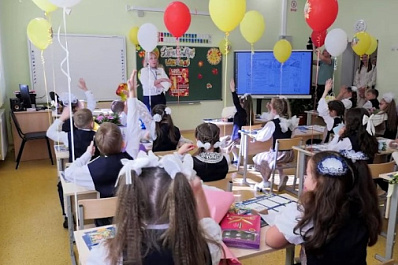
point(196, 72)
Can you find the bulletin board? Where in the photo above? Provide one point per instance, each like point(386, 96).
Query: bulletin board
point(196, 72)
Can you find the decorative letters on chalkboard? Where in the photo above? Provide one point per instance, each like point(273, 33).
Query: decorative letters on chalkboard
point(195, 72)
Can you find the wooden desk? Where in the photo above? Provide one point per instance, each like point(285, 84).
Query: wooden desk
point(70, 189)
point(62, 156)
point(238, 252)
point(35, 121)
point(392, 218)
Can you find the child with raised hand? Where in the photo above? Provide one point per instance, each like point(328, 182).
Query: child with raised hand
point(337, 216)
point(75, 104)
point(372, 103)
point(210, 163)
point(162, 216)
point(357, 134)
point(101, 173)
point(332, 112)
point(280, 127)
point(348, 95)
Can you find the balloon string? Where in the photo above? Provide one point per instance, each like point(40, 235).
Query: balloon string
point(251, 85)
point(280, 80)
point(45, 82)
point(178, 65)
point(226, 71)
point(147, 55)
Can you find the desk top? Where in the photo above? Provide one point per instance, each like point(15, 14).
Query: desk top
point(71, 188)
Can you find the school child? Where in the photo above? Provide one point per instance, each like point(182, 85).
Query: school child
point(280, 127)
point(244, 116)
point(372, 103)
point(75, 104)
point(337, 216)
point(348, 95)
point(332, 112)
point(210, 163)
point(101, 173)
point(82, 137)
point(357, 134)
point(385, 121)
point(162, 216)
point(164, 134)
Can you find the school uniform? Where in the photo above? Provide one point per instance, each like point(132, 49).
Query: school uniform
point(163, 142)
point(347, 247)
point(101, 173)
point(331, 122)
point(351, 142)
point(152, 94)
point(98, 255)
point(274, 129)
point(372, 104)
point(240, 117)
point(210, 166)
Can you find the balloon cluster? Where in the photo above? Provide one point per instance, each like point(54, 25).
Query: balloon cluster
point(39, 30)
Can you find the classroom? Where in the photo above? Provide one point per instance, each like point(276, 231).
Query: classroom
point(27, 215)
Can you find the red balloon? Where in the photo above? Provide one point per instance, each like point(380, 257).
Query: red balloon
point(177, 18)
point(320, 14)
point(318, 38)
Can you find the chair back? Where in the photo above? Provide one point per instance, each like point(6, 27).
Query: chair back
point(96, 208)
point(382, 168)
point(163, 153)
point(255, 147)
point(16, 123)
point(287, 144)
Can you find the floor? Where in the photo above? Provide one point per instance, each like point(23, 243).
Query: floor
point(31, 220)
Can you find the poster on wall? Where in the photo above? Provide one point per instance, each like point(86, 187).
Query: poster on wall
point(195, 72)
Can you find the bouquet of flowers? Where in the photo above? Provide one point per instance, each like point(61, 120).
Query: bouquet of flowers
point(111, 117)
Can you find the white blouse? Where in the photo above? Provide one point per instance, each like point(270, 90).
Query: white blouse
point(147, 79)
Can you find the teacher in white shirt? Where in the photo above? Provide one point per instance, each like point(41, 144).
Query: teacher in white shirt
point(155, 82)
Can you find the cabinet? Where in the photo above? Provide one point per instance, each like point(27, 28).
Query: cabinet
point(3, 135)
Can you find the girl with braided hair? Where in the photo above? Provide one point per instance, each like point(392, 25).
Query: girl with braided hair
point(162, 216)
point(210, 163)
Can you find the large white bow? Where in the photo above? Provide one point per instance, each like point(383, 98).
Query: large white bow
point(142, 160)
point(370, 127)
point(173, 165)
point(291, 124)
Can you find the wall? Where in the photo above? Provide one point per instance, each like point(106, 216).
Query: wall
point(110, 17)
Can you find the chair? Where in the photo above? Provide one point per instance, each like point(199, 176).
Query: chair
point(96, 208)
point(375, 171)
point(285, 145)
point(253, 147)
point(27, 137)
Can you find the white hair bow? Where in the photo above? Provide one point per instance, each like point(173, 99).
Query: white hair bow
point(370, 127)
point(291, 123)
point(167, 110)
point(388, 97)
point(244, 96)
point(206, 145)
point(157, 117)
point(64, 98)
point(173, 164)
point(142, 160)
point(354, 89)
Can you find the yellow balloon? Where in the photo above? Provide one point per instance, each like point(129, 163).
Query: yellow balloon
point(252, 26)
point(45, 5)
point(133, 35)
point(225, 46)
point(282, 50)
point(361, 42)
point(227, 14)
point(373, 46)
point(40, 33)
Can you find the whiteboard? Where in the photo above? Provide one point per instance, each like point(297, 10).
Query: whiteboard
point(100, 60)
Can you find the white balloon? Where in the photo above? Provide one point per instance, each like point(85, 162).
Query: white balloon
point(336, 42)
point(65, 3)
point(148, 36)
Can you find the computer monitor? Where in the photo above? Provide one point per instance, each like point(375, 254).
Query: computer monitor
point(25, 97)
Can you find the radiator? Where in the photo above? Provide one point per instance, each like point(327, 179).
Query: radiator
point(3, 135)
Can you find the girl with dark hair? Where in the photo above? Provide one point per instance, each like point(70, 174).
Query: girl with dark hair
point(280, 126)
point(337, 216)
point(210, 163)
point(164, 134)
point(348, 95)
point(332, 112)
point(357, 134)
point(365, 76)
point(162, 216)
point(387, 118)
